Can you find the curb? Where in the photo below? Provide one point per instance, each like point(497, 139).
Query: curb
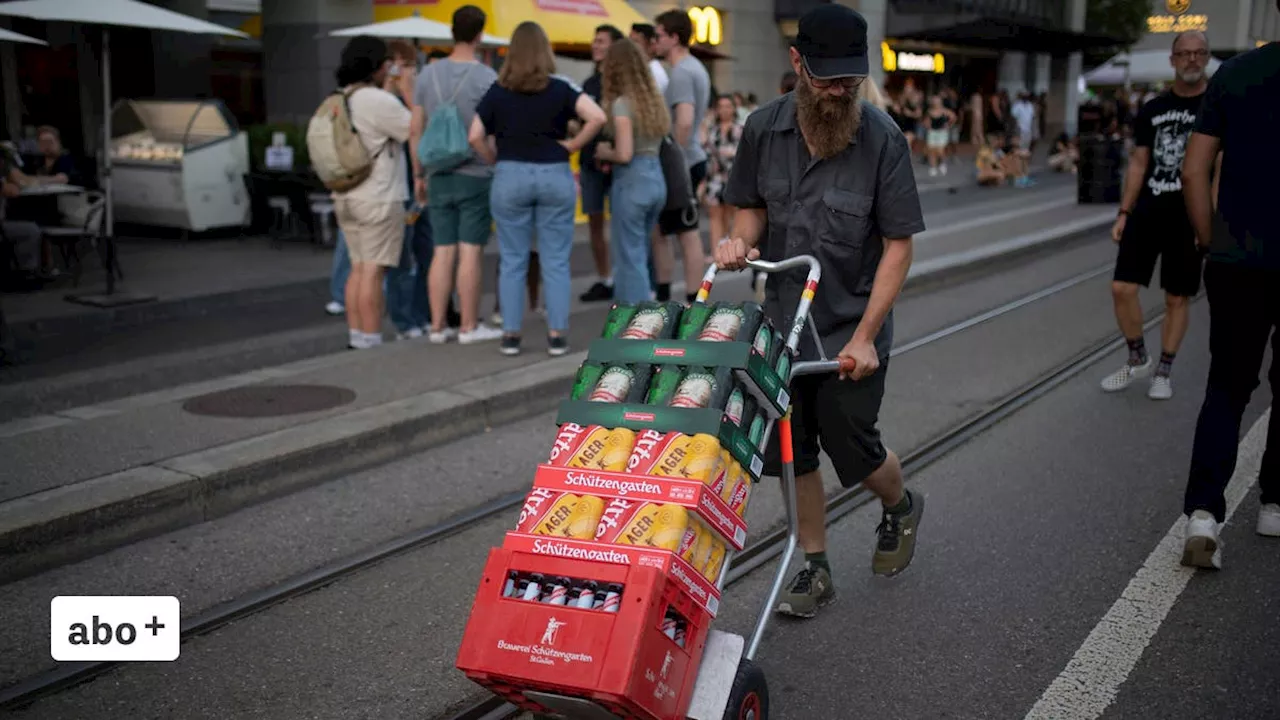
point(76, 521)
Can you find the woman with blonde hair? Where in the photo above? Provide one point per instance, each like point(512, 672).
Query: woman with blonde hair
point(872, 93)
point(639, 119)
point(527, 113)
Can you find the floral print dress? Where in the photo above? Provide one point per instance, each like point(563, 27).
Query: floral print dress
point(721, 147)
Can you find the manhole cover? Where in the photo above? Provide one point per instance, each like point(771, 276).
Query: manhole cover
point(269, 401)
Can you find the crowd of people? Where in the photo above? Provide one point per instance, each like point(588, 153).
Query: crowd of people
point(416, 217)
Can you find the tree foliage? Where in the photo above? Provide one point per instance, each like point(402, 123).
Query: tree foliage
point(1122, 19)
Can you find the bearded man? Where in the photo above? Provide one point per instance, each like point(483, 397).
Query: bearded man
point(830, 176)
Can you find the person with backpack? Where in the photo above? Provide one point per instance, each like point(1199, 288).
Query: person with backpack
point(449, 178)
point(355, 140)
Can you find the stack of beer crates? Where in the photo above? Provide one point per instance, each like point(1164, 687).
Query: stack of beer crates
point(607, 586)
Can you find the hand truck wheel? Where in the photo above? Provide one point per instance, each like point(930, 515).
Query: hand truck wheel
point(749, 697)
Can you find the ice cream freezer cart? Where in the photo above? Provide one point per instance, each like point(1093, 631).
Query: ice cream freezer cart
point(179, 164)
point(635, 639)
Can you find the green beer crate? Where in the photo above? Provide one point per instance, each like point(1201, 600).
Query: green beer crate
point(690, 421)
point(753, 371)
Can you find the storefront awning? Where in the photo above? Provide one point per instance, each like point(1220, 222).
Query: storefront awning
point(1002, 34)
point(566, 22)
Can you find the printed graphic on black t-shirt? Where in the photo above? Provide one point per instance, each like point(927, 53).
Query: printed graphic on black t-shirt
point(1164, 124)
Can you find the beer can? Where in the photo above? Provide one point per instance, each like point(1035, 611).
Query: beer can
point(680, 632)
point(559, 593)
point(622, 384)
point(665, 382)
point(619, 317)
point(755, 433)
point(587, 596)
point(599, 602)
point(652, 321)
point(510, 588)
point(533, 589)
point(613, 598)
point(783, 368)
point(703, 388)
point(735, 408)
point(692, 320)
point(585, 380)
point(731, 322)
point(764, 340)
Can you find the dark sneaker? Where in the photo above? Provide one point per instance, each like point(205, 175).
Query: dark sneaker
point(510, 345)
point(598, 292)
point(897, 538)
point(810, 590)
point(557, 345)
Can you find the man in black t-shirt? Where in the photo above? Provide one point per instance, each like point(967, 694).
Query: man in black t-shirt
point(1242, 280)
point(1152, 222)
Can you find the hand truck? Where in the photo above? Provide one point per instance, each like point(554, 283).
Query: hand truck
point(727, 684)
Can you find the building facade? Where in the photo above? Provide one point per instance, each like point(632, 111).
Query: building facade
point(1232, 26)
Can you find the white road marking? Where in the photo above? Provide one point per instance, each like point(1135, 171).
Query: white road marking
point(1091, 680)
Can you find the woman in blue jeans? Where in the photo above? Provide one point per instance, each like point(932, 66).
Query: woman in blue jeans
point(640, 120)
point(527, 113)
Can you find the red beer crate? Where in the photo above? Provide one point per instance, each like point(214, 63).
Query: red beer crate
point(622, 660)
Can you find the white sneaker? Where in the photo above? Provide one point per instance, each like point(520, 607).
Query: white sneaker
point(410, 334)
point(1202, 549)
point(335, 308)
point(443, 336)
point(933, 172)
point(482, 333)
point(1161, 388)
point(1124, 377)
point(943, 169)
point(1269, 520)
point(496, 320)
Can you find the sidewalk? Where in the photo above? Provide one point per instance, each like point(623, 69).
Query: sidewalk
point(191, 278)
point(86, 479)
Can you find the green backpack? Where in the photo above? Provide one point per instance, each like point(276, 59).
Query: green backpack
point(444, 145)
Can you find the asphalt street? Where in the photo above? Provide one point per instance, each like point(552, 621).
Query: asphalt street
point(1033, 532)
point(215, 561)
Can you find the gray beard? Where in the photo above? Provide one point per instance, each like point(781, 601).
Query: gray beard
point(827, 123)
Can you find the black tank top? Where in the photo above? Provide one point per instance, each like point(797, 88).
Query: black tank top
point(938, 122)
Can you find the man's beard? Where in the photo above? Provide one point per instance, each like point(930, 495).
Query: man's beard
point(828, 122)
point(1191, 77)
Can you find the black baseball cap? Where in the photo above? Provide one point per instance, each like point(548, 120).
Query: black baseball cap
point(832, 39)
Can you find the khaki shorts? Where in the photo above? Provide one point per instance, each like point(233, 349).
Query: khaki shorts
point(374, 230)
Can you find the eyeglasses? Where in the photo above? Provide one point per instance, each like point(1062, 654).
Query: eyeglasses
point(1189, 54)
point(848, 83)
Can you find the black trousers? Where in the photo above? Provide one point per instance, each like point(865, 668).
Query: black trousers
point(1244, 309)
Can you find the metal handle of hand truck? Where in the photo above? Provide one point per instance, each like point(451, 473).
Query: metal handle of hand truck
point(766, 266)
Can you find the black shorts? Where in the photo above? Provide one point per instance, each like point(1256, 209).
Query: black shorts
point(674, 222)
point(838, 417)
point(1166, 235)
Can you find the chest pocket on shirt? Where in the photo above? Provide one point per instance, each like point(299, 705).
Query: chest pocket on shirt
point(847, 219)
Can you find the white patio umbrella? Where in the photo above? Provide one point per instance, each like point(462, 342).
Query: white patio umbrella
point(11, 36)
point(416, 28)
point(1143, 67)
point(106, 13)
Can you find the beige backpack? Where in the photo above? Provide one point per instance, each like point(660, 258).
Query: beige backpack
point(337, 154)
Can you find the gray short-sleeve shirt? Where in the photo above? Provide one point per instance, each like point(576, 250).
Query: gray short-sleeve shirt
point(470, 80)
point(689, 83)
point(839, 210)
